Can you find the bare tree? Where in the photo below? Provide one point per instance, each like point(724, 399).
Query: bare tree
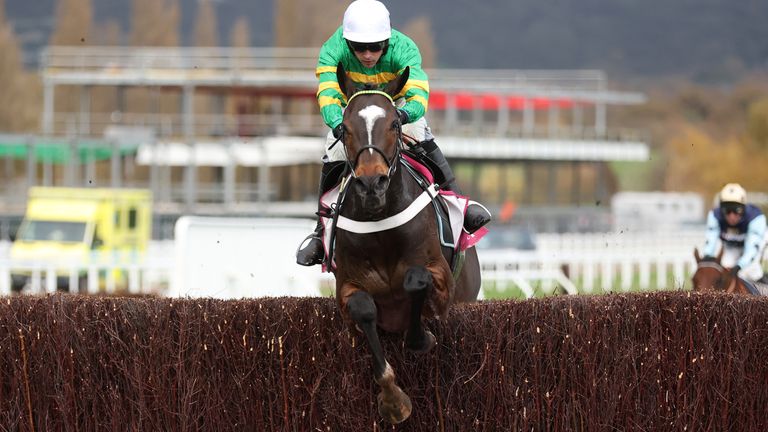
point(305, 23)
point(104, 98)
point(205, 26)
point(71, 28)
point(155, 23)
point(73, 23)
point(240, 35)
point(420, 30)
point(21, 95)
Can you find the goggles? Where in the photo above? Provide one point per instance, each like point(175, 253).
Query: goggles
point(367, 46)
point(732, 208)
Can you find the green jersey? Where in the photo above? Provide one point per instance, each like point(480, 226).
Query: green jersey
point(402, 52)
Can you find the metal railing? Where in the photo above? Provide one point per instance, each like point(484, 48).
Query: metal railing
point(577, 263)
point(311, 124)
point(294, 66)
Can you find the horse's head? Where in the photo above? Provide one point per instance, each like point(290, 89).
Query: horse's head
point(371, 136)
point(710, 275)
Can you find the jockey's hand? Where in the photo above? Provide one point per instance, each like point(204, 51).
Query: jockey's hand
point(735, 270)
point(403, 116)
point(338, 131)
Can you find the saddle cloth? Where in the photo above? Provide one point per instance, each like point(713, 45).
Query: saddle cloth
point(455, 204)
point(762, 288)
point(755, 288)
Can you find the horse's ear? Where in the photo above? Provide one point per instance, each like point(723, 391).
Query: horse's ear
point(696, 254)
point(346, 84)
point(397, 84)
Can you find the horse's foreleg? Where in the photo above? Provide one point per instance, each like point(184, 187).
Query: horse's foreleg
point(394, 404)
point(418, 283)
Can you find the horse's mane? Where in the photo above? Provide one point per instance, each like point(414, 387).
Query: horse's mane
point(367, 86)
point(709, 259)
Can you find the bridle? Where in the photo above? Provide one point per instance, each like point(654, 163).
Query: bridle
point(720, 269)
point(391, 163)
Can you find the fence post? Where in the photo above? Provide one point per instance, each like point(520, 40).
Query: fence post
point(50, 280)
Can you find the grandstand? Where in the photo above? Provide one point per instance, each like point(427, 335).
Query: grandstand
point(246, 137)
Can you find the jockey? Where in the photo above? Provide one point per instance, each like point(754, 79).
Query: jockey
point(374, 53)
point(741, 227)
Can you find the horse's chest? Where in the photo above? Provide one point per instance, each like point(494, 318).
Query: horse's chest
point(378, 279)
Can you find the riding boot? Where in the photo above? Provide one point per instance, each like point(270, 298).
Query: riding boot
point(477, 215)
point(311, 250)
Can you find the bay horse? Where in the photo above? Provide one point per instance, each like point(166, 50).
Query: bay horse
point(389, 278)
point(710, 275)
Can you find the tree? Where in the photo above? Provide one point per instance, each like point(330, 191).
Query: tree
point(108, 33)
point(205, 27)
point(71, 28)
point(698, 163)
point(155, 23)
point(757, 124)
point(21, 95)
point(306, 23)
point(73, 23)
point(420, 30)
point(240, 35)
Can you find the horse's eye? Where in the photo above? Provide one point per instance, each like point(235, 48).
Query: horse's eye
point(395, 124)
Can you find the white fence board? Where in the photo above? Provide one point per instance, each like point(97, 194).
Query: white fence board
point(592, 262)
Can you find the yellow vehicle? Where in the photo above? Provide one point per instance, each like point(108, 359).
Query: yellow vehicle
point(72, 228)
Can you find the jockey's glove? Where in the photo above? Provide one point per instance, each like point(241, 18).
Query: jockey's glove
point(403, 116)
point(735, 270)
point(338, 131)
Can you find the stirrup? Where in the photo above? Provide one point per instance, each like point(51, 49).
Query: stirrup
point(311, 251)
point(476, 217)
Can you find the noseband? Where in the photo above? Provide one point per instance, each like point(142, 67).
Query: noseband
point(391, 163)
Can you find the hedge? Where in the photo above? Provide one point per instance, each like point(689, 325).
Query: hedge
point(663, 361)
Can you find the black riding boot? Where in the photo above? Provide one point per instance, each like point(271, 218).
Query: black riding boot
point(477, 215)
point(311, 249)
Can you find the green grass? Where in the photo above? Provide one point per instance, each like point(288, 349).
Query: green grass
point(510, 290)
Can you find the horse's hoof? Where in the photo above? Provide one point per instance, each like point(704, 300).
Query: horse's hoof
point(394, 407)
point(422, 346)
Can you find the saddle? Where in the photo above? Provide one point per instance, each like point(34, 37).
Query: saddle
point(449, 209)
point(755, 288)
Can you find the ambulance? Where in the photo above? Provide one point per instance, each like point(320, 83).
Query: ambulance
point(72, 229)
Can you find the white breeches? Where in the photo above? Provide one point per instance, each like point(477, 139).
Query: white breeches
point(753, 271)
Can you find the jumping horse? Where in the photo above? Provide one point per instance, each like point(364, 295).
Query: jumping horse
point(390, 279)
point(710, 275)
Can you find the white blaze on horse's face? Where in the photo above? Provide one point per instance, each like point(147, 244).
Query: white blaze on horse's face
point(370, 114)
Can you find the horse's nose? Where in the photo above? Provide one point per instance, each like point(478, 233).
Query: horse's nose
point(375, 184)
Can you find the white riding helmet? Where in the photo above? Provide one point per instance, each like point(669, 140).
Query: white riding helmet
point(366, 21)
point(733, 193)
